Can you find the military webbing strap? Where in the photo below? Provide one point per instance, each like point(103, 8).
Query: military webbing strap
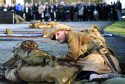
point(106, 57)
point(108, 60)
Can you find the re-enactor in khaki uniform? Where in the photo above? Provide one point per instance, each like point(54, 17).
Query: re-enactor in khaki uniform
point(78, 42)
point(79, 46)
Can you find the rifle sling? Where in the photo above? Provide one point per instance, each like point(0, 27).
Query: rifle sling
point(106, 57)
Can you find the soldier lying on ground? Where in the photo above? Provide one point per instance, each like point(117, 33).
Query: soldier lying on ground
point(47, 32)
point(43, 25)
point(31, 64)
point(88, 50)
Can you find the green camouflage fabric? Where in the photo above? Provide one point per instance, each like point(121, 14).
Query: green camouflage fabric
point(29, 53)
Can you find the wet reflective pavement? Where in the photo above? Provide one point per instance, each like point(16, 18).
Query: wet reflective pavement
point(117, 44)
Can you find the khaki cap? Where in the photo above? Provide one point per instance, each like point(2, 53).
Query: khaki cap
point(59, 27)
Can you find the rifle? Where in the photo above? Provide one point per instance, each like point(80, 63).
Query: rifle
point(106, 56)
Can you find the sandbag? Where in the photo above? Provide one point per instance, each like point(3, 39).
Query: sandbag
point(58, 74)
point(12, 75)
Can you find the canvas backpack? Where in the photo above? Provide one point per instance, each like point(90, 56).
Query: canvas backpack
point(94, 32)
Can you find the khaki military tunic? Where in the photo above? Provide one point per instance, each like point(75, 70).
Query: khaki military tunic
point(78, 42)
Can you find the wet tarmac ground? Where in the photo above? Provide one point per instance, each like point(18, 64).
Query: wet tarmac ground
point(117, 44)
point(54, 48)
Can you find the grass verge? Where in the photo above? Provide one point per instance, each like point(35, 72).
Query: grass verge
point(117, 28)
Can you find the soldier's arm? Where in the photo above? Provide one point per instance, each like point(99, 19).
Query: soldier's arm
point(73, 48)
